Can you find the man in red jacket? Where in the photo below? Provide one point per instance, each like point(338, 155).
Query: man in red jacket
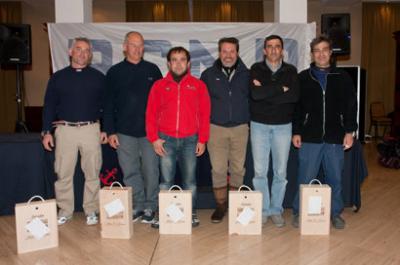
point(178, 122)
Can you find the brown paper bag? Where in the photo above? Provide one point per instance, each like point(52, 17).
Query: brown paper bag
point(315, 209)
point(36, 225)
point(116, 211)
point(245, 212)
point(175, 211)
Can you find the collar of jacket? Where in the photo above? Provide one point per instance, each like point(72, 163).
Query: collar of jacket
point(266, 67)
point(170, 78)
point(240, 65)
point(332, 66)
point(134, 64)
point(333, 71)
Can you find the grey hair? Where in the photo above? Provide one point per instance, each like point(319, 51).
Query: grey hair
point(83, 39)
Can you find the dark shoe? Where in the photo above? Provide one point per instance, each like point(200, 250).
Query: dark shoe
point(295, 221)
point(338, 222)
point(148, 216)
point(220, 195)
point(278, 220)
point(264, 220)
point(137, 215)
point(218, 214)
point(156, 223)
point(195, 220)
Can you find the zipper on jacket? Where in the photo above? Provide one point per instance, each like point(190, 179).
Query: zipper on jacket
point(323, 97)
point(323, 115)
point(341, 120)
point(178, 110)
point(306, 119)
point(230, 103)
point(323, 100)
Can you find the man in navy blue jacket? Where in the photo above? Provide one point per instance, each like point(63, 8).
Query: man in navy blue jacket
point(128, 86)
point(73, 104)
point(228, 85)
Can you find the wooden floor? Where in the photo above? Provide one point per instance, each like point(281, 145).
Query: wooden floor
point(372, 236)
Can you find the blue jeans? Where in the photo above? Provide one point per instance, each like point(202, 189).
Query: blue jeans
point(140, 167)
point(277, 140)
point(183, 150)
point(332, 157)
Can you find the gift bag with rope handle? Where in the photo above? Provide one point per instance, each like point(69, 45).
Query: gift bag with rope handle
point(36, 225)
point(245, 211)
point(315, 208)
point(116, 211)
point(175, 211)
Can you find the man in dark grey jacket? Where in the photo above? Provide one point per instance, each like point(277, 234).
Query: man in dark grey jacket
point(274, 92)
point(228, 85)
point(323, 124)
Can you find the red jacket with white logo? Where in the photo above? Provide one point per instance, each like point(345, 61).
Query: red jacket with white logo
point(178, 110)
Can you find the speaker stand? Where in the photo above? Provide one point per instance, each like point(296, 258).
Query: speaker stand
point(20, 126)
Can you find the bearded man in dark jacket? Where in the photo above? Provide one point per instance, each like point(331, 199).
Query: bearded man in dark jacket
point(228, 85)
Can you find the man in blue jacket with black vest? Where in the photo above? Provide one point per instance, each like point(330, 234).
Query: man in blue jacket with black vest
point(324, 122)
point(228, 85)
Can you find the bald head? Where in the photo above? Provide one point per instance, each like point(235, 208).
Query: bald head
point(133, 33)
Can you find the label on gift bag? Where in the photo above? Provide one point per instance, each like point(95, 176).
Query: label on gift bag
point(113, 208)
point(37, 228)
point(314, 205)
point(246, 216)
point(174, 213)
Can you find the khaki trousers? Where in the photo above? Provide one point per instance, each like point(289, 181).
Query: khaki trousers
point(227, 149)
point(70, 141)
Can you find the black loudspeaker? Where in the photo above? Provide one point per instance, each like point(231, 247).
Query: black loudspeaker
point(358, 75)
point(15, 44)
point(337, 27)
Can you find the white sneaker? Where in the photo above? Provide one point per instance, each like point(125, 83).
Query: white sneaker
point(91, 219)
point(63, 219)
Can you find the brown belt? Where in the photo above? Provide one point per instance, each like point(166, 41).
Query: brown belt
point(74, 124)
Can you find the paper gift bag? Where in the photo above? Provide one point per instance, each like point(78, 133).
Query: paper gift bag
point(245, 212)
point(315, 208)
point(116, 211)
point(36, 225)
point(175, 211)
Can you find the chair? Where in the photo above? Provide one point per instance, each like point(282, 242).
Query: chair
point(378, 118)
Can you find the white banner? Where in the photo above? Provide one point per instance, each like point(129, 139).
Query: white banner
point(201, 39)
